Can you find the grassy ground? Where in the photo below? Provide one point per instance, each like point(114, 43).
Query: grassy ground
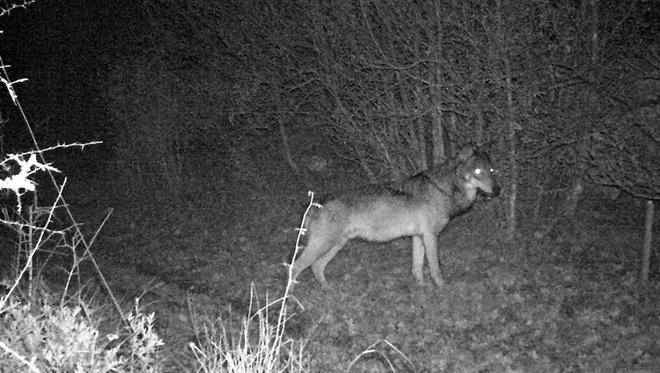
point(566, 303)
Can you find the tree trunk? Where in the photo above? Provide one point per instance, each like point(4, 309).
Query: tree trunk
point(646, 248)
point(572, 199)
point(509, 117)
point(438, 129)
point(512, 216)
point(481, 123)
point(423, 143)
point(286, 149)
point(438, 135)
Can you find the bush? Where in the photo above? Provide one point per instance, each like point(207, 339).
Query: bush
point(62, 339)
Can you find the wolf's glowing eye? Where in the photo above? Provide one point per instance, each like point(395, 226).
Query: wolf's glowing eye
point(477, 171)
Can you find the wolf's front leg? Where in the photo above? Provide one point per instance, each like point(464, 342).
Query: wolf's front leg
point(418, 259)
point(431, 249)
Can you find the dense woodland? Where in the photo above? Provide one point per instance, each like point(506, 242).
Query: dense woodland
point(561, 93)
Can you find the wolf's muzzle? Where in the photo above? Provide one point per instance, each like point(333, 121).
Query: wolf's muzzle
point(495, 191)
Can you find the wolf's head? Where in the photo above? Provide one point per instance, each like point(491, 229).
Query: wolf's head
point(476, 171)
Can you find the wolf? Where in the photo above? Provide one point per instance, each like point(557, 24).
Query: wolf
point(419, 207)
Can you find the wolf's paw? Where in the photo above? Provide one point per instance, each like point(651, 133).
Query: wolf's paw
point(438, 281)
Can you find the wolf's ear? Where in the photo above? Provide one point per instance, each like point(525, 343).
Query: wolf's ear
point(466, 153)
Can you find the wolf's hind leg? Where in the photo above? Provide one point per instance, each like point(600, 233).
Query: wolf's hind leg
point(318, 267)
point(418, 259)
point(308, 256)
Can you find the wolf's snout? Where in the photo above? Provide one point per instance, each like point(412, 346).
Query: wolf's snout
point(494, 191)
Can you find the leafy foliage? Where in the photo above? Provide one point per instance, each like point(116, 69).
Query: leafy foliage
point(63, 339)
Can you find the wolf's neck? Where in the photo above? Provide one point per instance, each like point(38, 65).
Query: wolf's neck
point(463, 198)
